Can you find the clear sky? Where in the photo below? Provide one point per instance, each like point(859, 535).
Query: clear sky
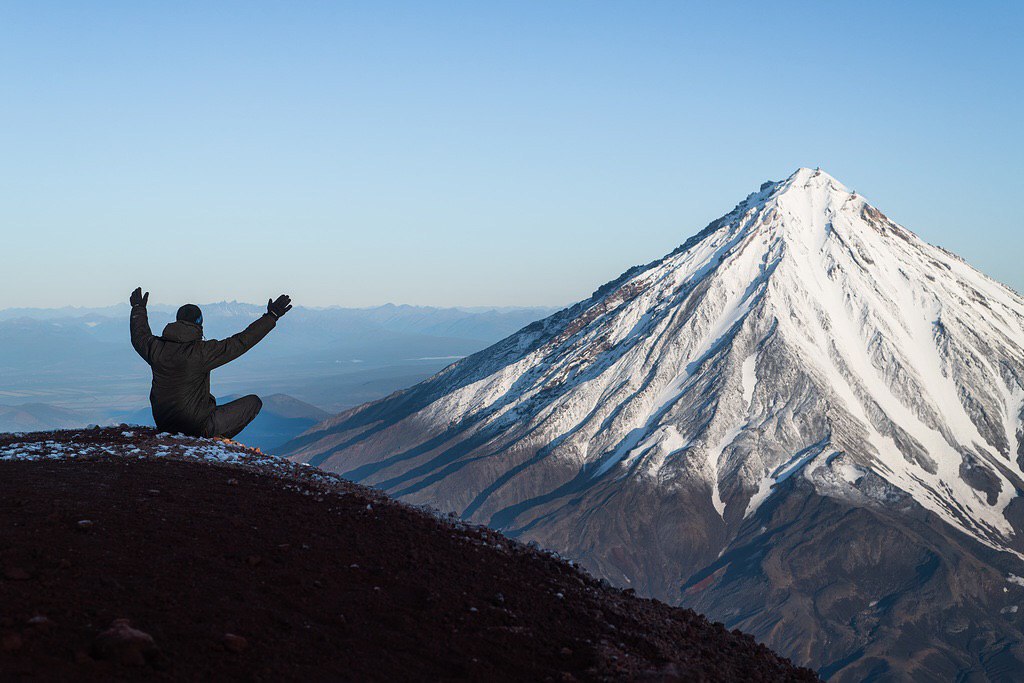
point(475, 153)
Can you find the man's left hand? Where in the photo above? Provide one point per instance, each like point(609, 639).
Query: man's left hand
point(282, 305)
point(137, 298)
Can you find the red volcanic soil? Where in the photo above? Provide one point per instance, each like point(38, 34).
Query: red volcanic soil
point(131, 555)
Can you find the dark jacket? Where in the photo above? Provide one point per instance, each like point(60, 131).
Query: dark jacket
point(181, 361)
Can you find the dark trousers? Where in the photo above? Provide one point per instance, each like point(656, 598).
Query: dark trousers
point(231, 418)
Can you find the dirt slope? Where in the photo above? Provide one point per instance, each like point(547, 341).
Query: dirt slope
point(240, 566)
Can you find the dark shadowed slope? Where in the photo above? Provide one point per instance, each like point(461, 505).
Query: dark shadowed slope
point(314, 578)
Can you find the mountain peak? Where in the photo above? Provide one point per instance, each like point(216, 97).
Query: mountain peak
point(811, 181)
point(673, 364)
point(801, 345)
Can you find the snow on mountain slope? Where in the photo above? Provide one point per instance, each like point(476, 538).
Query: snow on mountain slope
point(803, 333)
point(805, 422)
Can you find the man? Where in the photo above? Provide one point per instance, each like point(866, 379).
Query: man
point(182, 360)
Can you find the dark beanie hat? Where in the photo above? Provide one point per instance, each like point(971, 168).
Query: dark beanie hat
point(190, 313)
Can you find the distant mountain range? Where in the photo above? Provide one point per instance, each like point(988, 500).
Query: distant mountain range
point(805, 422)
point(33, 417)
point(282, 418)
point(73, 366)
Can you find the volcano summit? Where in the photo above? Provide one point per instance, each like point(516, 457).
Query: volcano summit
point(805, 421)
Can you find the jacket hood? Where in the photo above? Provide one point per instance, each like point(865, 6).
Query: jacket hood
point(182, 332)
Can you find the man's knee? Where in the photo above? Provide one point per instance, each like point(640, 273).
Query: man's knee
point(256, 404)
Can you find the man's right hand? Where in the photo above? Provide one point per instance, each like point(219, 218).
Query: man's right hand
point(282, 305)
point(138, 299)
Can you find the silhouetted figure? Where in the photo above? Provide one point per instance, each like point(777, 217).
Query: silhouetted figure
point(182, 360)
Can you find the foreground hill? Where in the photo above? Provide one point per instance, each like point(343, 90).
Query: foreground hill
point(805, 422)
point(229, 564)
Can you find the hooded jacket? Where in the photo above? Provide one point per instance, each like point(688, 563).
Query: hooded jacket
point(181, 361)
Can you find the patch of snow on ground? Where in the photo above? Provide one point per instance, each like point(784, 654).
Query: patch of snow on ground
point(749, 379)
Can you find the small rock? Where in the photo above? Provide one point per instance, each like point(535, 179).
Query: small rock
point(125, 644)
point(232, 482)
point(10, 642)
point(85, 524)
point(565, 652)
point(254, 560)
point(39, 621)
point(64, 564)
point(233, 643)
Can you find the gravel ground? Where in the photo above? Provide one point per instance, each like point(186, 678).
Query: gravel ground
point(127, 555)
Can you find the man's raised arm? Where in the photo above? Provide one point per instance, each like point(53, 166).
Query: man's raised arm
point(142, 336)
point(218, 353)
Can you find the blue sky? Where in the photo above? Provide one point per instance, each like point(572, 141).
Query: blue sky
point(475, 153)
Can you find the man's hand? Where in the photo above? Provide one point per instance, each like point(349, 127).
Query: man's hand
point(279, 307)
point(137, 298)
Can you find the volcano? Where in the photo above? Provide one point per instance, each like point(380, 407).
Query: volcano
point(804, 422)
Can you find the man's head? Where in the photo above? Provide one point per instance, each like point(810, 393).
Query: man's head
point(190, 313)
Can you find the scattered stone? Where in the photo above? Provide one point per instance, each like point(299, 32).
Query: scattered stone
point(39, 621)
point(232, 482)
point(234, 643)
point(85, 524)
point(124, 644)
point(565, 652)
point(254, 560)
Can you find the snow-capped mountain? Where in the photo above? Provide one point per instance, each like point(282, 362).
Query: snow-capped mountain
point(801, 348)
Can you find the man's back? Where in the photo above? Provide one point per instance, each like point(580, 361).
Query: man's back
point(181, 361)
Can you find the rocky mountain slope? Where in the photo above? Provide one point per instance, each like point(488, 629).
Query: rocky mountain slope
point(805, 420)
point(131, 555)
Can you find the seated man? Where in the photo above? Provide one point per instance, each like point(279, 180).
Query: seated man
point(182, 360)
